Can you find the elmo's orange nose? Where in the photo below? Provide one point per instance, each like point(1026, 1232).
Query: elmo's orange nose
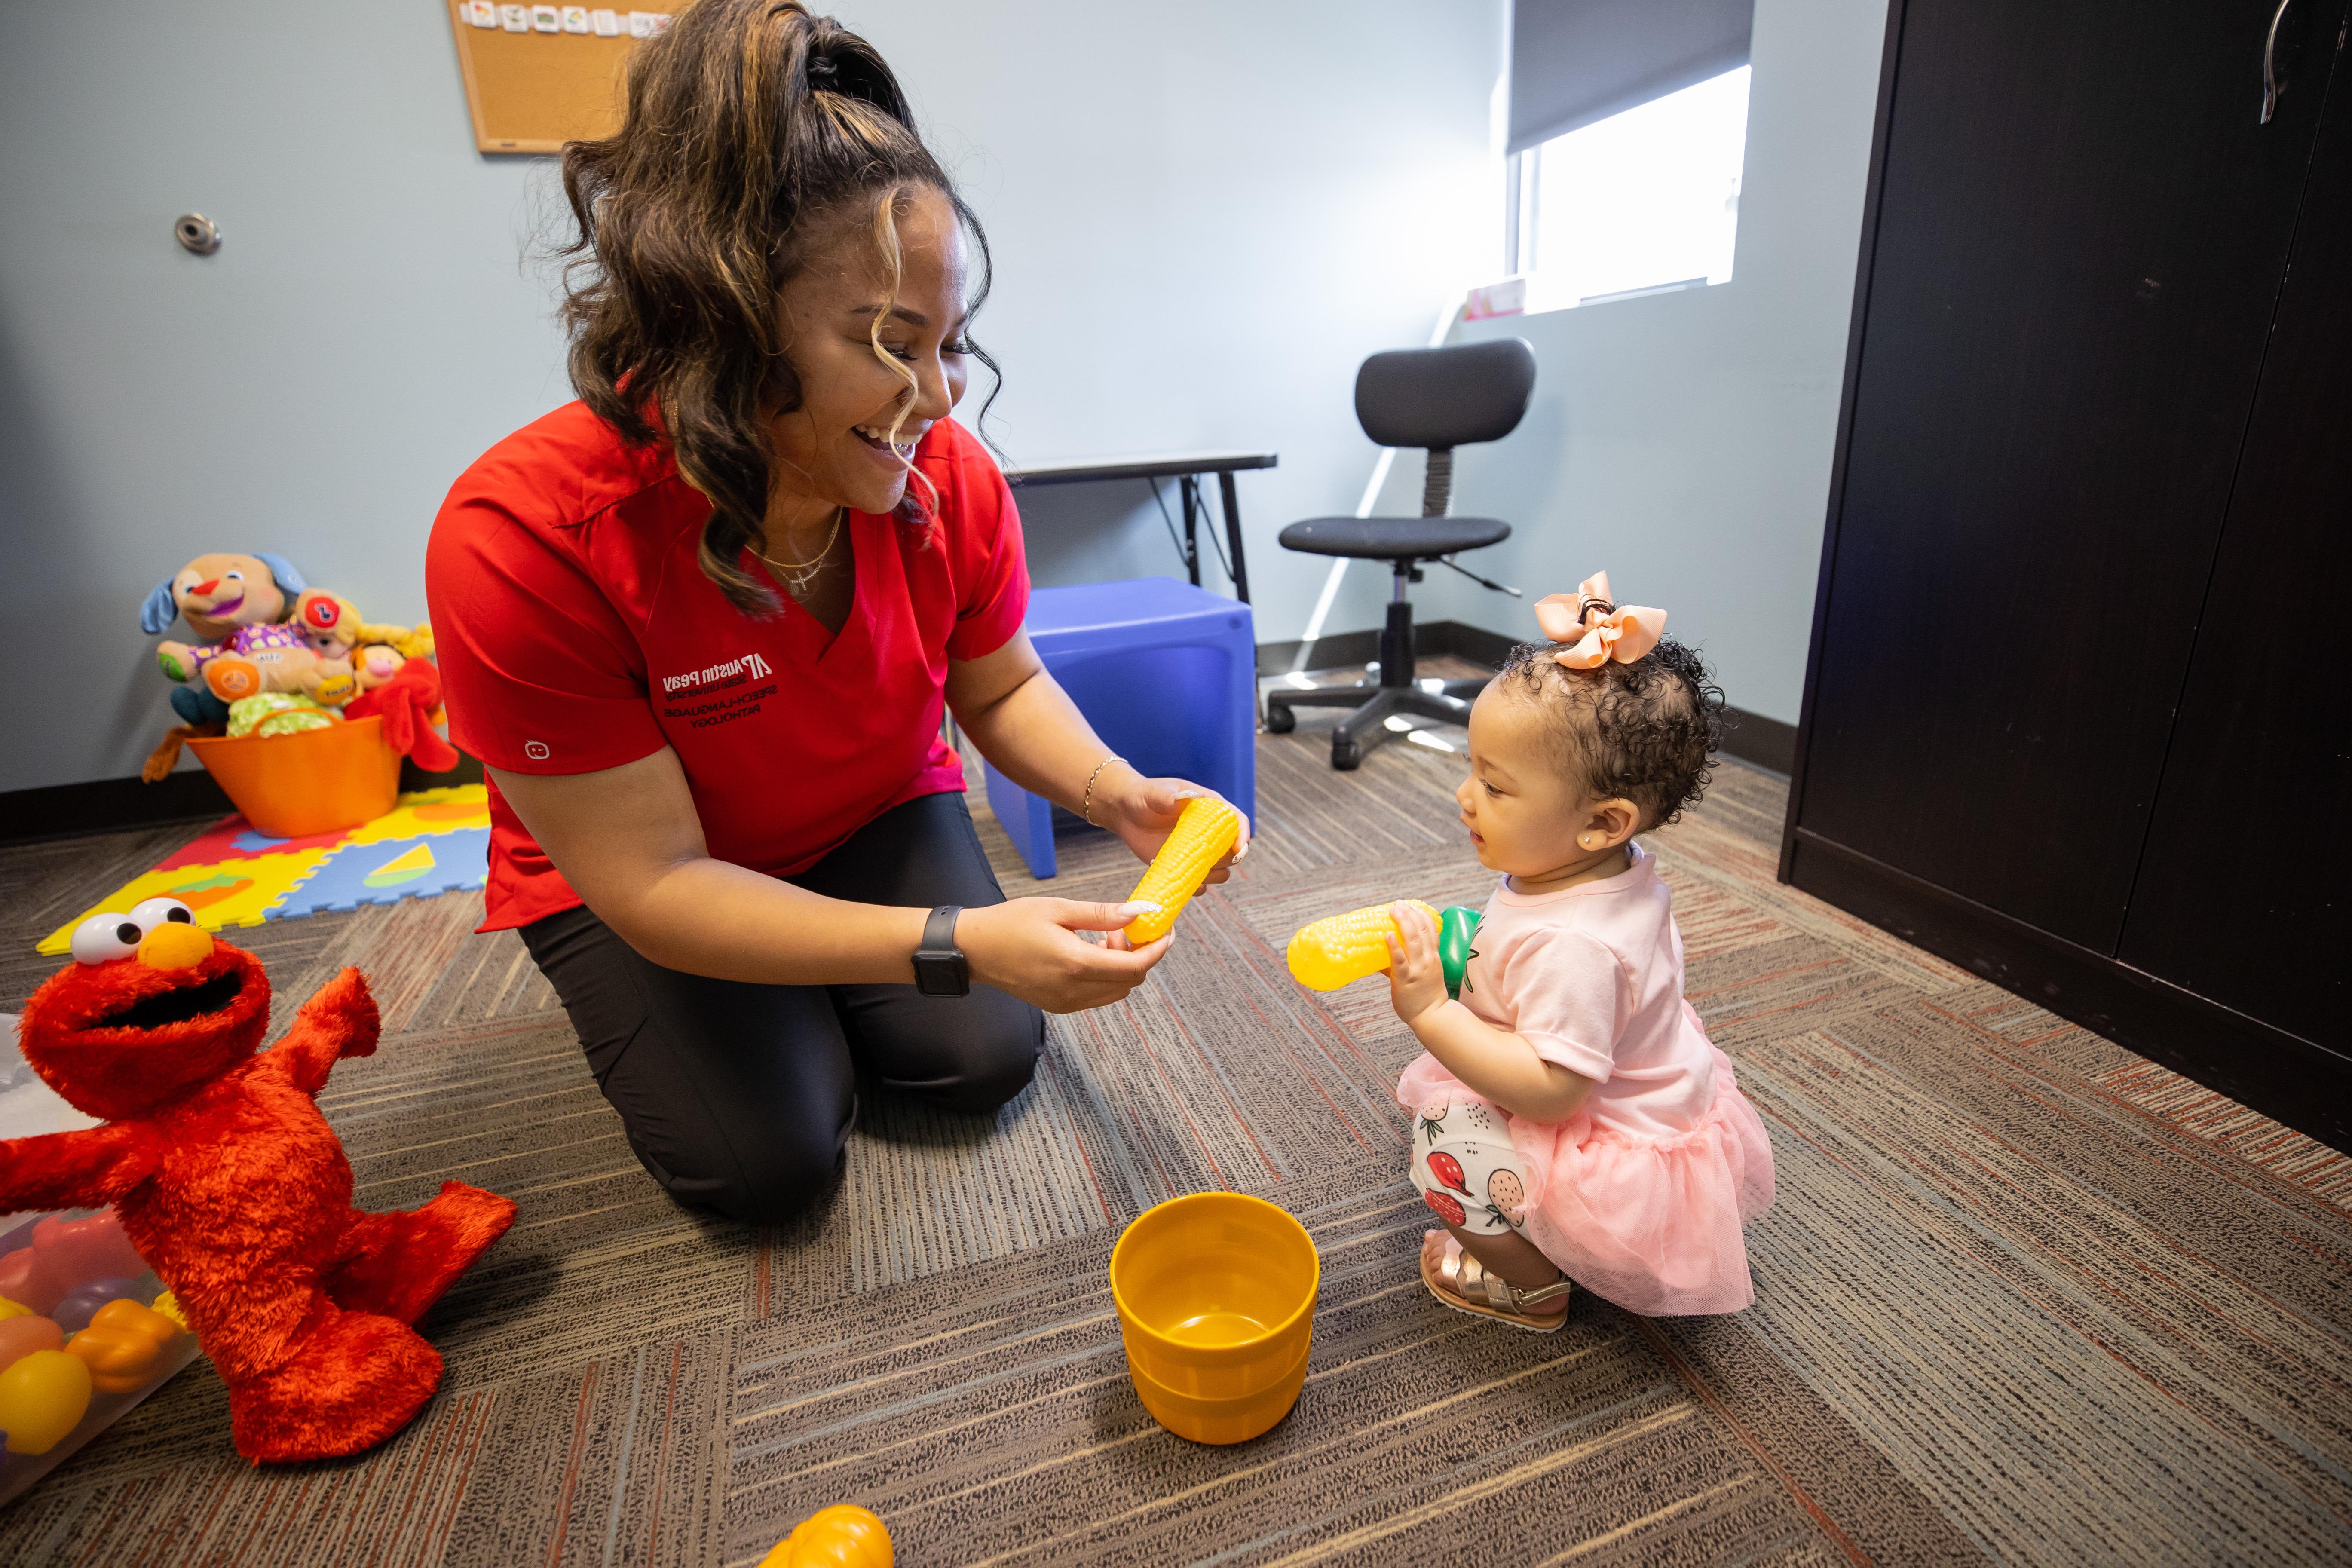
point(175, 946)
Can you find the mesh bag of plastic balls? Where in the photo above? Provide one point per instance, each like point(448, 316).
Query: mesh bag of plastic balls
point(86, 1330)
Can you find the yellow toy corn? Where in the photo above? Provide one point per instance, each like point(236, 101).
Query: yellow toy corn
point(1206, 832)
point(1337, 949)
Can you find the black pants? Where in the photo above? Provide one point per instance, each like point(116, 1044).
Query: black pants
point(740, 1096)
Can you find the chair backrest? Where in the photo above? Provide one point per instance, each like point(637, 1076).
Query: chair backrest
point(1443, 398)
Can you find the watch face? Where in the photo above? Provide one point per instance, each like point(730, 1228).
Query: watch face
point(941, 974)
point(941, 969)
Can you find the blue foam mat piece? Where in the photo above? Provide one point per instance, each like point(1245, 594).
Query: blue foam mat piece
point(460, 859)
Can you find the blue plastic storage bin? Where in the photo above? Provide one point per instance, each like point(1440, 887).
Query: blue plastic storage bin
point(1165, 672)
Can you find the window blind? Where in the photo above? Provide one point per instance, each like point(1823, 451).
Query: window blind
point(1576, 61)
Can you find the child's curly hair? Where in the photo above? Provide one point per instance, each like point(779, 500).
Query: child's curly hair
point(1646, 732)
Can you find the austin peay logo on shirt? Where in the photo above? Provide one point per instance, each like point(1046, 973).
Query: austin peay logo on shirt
point(711, 694)
point(749, 666)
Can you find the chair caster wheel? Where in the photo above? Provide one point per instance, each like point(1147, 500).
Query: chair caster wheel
point(1345, 756)
point(1280, 721)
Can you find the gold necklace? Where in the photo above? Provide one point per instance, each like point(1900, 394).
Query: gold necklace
point(799, 574)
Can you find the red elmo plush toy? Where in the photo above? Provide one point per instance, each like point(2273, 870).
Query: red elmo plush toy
point(232, 1185)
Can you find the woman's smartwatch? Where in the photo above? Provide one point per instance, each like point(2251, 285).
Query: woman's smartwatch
point(940, 967)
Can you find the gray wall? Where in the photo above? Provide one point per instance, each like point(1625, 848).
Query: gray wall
point(1682, 442)
point(312, 389)
point(1203, 218)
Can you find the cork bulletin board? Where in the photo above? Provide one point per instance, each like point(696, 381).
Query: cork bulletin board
point(539, 76)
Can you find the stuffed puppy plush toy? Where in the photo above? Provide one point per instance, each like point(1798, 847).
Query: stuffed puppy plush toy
point(266, 659)
point(330, 624)
point(218, 592)
point(228, 600)
point(355, 656)
point(232, 1185)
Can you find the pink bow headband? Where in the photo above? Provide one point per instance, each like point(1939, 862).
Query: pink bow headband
point(1595, 630)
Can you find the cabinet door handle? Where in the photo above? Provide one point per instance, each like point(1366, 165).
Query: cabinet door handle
point(2270, 63)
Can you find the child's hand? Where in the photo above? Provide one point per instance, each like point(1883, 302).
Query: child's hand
point(1416, 975)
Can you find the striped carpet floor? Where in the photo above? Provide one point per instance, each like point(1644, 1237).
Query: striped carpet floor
point(2025, 1298)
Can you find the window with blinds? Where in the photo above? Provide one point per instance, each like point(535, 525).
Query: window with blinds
point(1628, 130)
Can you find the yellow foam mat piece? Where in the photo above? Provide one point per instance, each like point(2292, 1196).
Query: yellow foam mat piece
point(428, 812)
point(242, 890)
point(231, 893)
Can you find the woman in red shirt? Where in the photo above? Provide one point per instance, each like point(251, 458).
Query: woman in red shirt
point(702, 627)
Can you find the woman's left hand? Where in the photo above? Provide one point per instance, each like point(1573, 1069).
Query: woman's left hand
point(1143, 812)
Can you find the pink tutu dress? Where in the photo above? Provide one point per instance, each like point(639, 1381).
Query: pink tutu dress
point(1641, 1195)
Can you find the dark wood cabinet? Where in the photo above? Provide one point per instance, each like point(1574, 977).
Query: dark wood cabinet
point(2242, 893)
point(2078, 710)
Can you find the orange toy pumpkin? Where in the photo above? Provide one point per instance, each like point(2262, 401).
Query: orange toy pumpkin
point(123, 1345)
point(842, 1536)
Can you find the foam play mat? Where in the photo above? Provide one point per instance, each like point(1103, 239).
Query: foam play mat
point(433, 841)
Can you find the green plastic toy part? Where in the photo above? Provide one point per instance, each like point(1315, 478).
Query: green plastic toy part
point(1456, 929)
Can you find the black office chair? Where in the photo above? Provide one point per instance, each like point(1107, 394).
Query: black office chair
point(1438, 399)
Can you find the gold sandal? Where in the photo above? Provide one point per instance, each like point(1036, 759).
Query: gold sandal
point(1464, 1284)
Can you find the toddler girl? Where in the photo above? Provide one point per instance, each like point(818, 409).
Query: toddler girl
point(1574, 1121)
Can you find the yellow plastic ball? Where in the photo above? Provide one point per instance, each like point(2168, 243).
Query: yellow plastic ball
point(42, 1398)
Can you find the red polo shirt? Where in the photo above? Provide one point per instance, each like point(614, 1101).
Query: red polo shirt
point(576, 631)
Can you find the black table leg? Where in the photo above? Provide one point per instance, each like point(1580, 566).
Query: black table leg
point(1191, 489)
point(1233, 535)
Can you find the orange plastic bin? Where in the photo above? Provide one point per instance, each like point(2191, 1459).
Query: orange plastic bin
point(315, 781)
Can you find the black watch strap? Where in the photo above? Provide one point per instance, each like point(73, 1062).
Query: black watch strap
point(940, 968)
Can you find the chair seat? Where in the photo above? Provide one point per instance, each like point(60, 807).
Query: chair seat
point(1166, 675)
point(1392, 538)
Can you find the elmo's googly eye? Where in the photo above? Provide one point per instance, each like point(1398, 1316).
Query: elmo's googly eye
point(155, 911)
point(106, 936)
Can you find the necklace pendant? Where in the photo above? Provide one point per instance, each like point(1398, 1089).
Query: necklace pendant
point(796, 575)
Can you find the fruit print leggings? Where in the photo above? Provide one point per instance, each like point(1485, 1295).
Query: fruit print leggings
point(1464, 1163)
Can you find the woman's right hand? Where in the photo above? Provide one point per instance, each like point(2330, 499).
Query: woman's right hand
point(1031, 949)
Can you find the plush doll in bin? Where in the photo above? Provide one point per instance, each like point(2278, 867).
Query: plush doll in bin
point(391, 674)
point(232, 1185)
point(237, 607)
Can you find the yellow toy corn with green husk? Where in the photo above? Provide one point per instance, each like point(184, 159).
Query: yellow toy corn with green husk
point(1206, 832)
point(1337, 949)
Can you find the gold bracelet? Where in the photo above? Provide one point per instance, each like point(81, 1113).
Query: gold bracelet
point(1087, 805)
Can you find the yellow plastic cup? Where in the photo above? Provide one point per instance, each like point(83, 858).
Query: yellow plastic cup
point(1219, 1420)
point(1215, 1294)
